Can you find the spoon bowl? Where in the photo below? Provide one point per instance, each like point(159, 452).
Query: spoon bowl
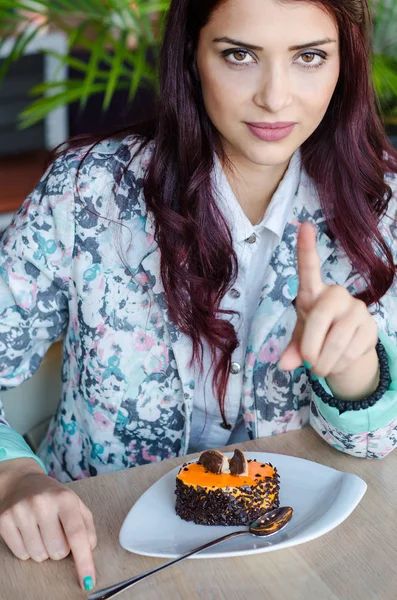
point(271, 522)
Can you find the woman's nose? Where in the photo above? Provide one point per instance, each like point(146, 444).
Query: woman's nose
point(274, 91)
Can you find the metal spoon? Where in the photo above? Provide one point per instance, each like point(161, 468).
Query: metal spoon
point(268, 524)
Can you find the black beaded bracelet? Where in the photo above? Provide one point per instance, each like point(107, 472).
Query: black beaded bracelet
point(345, 405)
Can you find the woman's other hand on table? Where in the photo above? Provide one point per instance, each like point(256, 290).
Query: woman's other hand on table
point(40, 518)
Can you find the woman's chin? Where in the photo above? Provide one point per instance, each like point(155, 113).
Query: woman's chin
point(269, 156)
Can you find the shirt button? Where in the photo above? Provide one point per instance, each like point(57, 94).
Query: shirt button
point(235, 368)
point(251, 239)
point(235, 293)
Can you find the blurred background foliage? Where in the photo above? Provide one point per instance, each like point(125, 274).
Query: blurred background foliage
point(119, 40)
point(384, 13)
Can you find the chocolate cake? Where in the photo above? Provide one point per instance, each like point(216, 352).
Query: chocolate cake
point(218, 491)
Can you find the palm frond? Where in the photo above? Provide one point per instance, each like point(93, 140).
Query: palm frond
point(137, 72)
point(115, 73)
point(20, 42)
point(93, 63)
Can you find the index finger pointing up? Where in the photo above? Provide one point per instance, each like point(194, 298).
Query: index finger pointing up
point(309, 272)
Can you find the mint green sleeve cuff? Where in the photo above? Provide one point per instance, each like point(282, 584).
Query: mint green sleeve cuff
point(369, 419)
point(12, 445)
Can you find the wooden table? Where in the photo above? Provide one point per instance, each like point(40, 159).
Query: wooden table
point(355, 561)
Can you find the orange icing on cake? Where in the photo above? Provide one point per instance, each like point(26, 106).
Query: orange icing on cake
point(195, 475)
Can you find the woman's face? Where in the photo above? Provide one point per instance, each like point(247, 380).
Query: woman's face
point(252, 73)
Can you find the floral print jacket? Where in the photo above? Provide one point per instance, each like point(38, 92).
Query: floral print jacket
point(68, 267)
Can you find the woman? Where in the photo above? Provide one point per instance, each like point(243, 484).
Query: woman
point(201, 267)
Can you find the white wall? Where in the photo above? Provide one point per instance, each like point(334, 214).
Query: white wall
point(36, 399)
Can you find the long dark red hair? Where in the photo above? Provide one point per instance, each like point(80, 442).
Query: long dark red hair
point(347, 157)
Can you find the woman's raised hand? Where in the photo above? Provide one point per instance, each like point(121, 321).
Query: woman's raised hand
point(335, 333)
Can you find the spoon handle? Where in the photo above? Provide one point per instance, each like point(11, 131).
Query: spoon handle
point(113, 590)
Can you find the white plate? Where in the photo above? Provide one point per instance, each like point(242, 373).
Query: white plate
point(321, 498)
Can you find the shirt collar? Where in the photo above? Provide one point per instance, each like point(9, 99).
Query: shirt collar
point(276, 215)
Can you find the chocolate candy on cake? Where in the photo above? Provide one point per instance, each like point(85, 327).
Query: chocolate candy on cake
point(238, 464)
point(214, 461)
point(218, 491)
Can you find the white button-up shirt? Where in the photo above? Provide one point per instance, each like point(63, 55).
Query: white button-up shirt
point(254, 246)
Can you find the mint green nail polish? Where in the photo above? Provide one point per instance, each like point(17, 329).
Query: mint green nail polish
point(88, 583)
point(307, 365)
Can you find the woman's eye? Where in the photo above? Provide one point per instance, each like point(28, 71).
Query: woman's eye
point(238, 57)
point(310, 62)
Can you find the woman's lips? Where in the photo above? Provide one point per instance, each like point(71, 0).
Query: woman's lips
point(273, 134)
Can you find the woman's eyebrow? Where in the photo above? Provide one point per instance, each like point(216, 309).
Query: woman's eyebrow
point(228, 40)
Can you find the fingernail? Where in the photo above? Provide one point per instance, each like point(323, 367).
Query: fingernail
point(307, 365)
point(42, 558)
point(88, 583)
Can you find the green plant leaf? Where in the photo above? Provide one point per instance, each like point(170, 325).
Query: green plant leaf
point(96, 54)
point(39, 109)
point(44, 88)
point(105, 58)
point(115, 72)
point(87, 9)
point(74, 35)
point(20, 43)
point(385, 75)
point(153, 7)
point(139, 58)
point(125, 16)
point(18, 6)
point(48, 87)
point(80, 65)
point(147, 28)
